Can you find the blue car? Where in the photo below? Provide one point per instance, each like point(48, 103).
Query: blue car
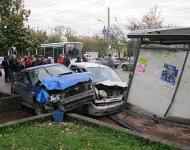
point(53, 86)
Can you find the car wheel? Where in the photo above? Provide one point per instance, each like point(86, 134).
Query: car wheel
point(124, 67)
point(39, 109)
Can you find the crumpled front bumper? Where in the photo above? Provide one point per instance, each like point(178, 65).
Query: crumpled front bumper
point(75, 101)
point(104, 110)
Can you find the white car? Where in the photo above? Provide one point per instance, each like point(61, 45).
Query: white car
point(110, 90)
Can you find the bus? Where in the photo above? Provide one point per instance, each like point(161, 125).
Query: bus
point(73, 49)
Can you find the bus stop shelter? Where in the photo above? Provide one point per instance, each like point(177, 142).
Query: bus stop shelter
point(161, 75)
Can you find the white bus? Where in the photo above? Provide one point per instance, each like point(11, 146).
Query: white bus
point(73, 49)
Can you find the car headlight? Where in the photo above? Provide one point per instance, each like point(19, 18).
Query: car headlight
point(102, 94)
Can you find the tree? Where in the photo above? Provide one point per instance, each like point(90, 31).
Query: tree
point(56, 34)
point(36, 38)
point(151, 20)
point(54, 38)
point(61, 33)
point(12, 28)
point(71, 35)
point(94, 44)
point(115, 36)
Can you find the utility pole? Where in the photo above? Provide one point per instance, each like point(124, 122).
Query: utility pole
point(108, 30)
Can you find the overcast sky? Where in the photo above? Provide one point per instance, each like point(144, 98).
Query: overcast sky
point(89, 16)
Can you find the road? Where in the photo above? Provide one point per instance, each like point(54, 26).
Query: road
point(6, 86)
point(123, 74)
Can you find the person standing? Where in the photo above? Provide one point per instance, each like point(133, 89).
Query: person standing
point(49, 60)
point(78, 60)
point(30, 61)
point(110, 61)
point(13, 64)
point(60, 59)
point(84, 59)
point(67, 61)
point(5, 64)
point(39, 61)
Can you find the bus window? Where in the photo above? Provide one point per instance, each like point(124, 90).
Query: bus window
point(73, 49)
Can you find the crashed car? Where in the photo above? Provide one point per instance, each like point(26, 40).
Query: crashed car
point(109, 88)
point(53, 86)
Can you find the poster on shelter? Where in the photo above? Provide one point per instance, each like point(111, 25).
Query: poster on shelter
point(140, 68)
point(169, 75)
point(143, 62)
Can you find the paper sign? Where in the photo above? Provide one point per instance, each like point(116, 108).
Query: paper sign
point(169, 74)
point(143, 61)
point(140, 68)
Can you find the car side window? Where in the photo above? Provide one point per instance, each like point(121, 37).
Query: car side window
point(23, 78)
point(26, 78)
point(75, 69)
point(83, 70)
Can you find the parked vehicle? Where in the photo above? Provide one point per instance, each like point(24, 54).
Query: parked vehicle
point(1, 60)
point(91, 55)
point(104, 61)
point(109, 88)
point(127, 65)
point(52, 86)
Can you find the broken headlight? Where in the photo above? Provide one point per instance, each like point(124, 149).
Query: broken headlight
point(102, 94)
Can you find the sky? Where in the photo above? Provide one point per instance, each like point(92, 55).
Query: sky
point(88, 17)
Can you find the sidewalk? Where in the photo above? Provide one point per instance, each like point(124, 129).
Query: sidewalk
point(5, 87)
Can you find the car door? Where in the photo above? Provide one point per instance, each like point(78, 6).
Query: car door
point(25, 88)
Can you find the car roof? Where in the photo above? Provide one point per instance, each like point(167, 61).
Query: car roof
point(88, 65)
point(41, 66)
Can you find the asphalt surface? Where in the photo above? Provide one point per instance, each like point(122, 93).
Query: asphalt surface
point(6, 87)
point(123, 74)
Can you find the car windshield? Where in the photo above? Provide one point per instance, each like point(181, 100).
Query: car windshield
point(41, 73)
point(100, 74)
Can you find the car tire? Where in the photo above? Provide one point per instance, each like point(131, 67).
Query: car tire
point(124, 67)
point(39, 109)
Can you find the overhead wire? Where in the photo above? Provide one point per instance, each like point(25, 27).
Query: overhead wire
point(84, 7)
point(77, 7)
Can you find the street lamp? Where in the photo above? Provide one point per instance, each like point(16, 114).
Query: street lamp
point(108, 29)
point(104, 31)
point(108, 32)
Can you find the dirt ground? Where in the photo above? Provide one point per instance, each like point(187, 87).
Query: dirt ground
point(12, 116)
point(176, 134)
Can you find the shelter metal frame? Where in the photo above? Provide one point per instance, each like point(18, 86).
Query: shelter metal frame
point(157, 37)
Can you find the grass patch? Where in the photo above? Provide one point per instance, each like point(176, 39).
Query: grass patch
point(71, 136)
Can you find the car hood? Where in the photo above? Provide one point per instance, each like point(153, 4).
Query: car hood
point(65, 81)
point(113, 83)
